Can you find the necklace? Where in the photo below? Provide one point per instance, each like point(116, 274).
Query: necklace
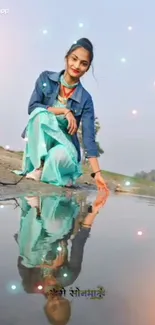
point(65, 84)
point(66, 95)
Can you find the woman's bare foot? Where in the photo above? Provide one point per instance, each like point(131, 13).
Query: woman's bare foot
point(33, 201)
point(70, 184)
point(35, 175)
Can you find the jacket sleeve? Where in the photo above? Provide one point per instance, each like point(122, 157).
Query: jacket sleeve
point(77, 249)
point(37, 96)
point(88, 129)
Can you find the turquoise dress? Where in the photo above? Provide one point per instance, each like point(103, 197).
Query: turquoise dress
point(49, 141)
point(39, 236)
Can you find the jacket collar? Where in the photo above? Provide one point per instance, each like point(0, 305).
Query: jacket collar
point(77, 96)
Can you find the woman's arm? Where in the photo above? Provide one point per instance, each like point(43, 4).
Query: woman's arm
point(58, 111)
point(72, 125)
point(94, 165)
point(95, 208)
point(37, 96)
point(88, 134)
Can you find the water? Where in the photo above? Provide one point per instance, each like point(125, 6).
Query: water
point(119, 254)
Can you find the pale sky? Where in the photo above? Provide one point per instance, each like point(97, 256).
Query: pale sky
point(26, 51)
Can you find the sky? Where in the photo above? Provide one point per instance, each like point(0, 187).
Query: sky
point(35, 36)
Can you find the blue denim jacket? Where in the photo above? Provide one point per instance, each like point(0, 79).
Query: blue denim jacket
point(46, 90)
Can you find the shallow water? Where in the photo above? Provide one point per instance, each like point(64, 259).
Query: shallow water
point(119, 255)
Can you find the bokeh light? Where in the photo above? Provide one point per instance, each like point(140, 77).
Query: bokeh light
point(80, 25)
point(45, 31)
point(139, 233)
point(59, 248)
point(40, 287)
point(65, 275)
point(123, 60)
point(13, 287)
point(130, 28)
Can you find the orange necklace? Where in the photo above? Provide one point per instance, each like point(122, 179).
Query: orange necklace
point(66, 96)
point(69, 94)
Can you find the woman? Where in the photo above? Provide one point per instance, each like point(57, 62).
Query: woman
point(57, 105)
point(44, 221)
point(43, 267)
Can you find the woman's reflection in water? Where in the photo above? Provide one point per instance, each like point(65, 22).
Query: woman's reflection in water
point(47, 226)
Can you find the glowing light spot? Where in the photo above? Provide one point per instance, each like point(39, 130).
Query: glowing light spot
point(80, 25)
point(123, 60)
point(44, 145)
point(2, 206)
point(127, 183)
point(45, 31)
point(139, 233)
point(7, 147)
point(74, 42)
point(134, 112)
point(59, 249)
point(13, 287)
point(130, 28)
point(65, 275)
point(40, 287)
point(26, 139)
point(44, 84)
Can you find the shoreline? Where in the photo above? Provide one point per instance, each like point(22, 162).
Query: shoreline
point(12, 160)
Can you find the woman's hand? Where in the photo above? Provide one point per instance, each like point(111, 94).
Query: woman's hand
point(72, 125)
point(100, 201)
point(100, 183)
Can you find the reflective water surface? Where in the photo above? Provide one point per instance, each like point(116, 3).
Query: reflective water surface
point(53, 249)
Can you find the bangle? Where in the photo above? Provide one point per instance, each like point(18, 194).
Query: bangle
point(85, 225)
point(93, 174)
point(90, 209)
point(67, 113)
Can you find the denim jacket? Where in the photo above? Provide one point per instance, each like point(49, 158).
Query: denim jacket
point(46, 90)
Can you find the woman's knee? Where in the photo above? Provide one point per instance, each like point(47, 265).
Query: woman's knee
point(59, 153)
point(39, 118)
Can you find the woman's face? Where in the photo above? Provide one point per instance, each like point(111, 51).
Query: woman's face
point(78, 63)
point(58, 310)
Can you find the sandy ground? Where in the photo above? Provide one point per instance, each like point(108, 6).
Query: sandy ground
point(10, 160)
point(13, 161)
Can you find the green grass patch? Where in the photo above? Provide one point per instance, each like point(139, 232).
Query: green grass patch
point(121, 179)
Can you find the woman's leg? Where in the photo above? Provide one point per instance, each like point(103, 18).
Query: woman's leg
point(50, 154)
point(38, 144)
point(59, 168)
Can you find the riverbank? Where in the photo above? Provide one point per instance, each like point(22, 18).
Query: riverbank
point(11, 160)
